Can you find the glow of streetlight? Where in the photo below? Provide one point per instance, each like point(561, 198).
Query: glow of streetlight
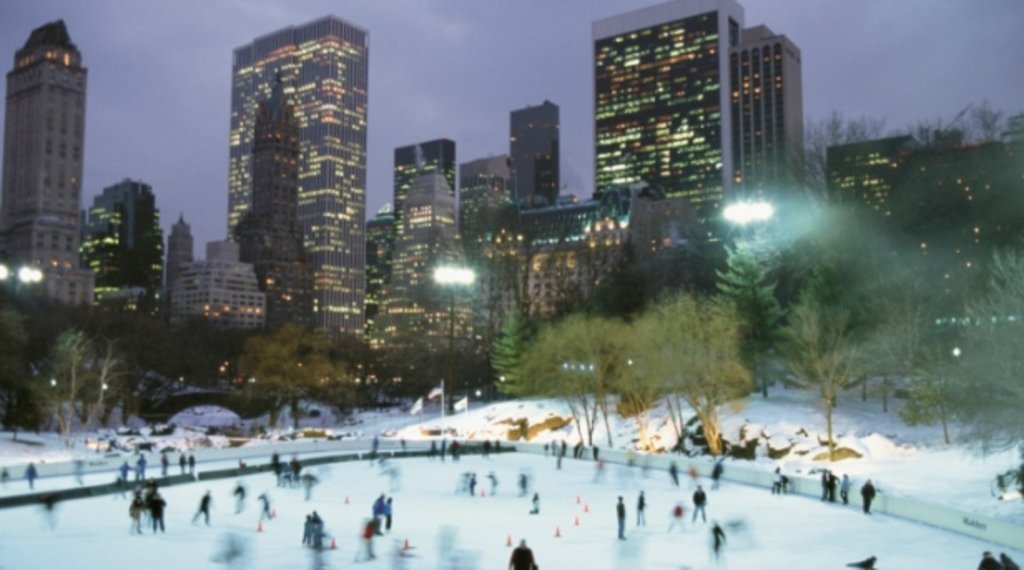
point(956, 352)
point(747, 212)
point(4, 272)
point(452, 275)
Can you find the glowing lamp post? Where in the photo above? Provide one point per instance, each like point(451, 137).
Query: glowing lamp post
point(450, 277)
point(25, 275)
point(743, 213)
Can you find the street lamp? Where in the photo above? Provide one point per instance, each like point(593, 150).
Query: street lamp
point(743, 213)
point(451, 276)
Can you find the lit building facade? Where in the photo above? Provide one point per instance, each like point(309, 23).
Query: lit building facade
point(864, 173)
point(414, 306)
point(380, 247)
point(179, 250)
point(661, 98)
point(414, 160)
point(269, 235)
point(220, 289)
point(44, 134)
point(766, 96)
point(324, 66)
point(534, 135)
point(124, 245)
point(484, 192)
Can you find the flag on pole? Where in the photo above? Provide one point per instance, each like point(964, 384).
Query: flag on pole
point(436, 392)
point(417, 407)
point(462, 404)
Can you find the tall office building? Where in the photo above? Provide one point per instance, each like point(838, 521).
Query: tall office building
point(268, 234)
point(179, 251)
point(221, 290)
point(380, 247)
point(44, 135)
point(767, 115)
point(124, 245)
point(411, 161)
point(413, 304)
point(484, 192)
point(533, 147)
point(661, 98)
point(324, 66)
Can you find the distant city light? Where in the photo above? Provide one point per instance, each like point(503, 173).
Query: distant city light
point(747, 212)
point(451, 275)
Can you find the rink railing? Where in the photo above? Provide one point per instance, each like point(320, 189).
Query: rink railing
point(978, 526)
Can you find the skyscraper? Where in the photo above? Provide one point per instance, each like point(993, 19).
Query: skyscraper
point(179, 251)
point(413, 306)
point(533, 147)
point(269, 235)
point(661, 97)
point(220, 289)
point(484, 191)
point(124, 245)
point(324, 67)
point(44, 135)
point(767, 115)
point(380, 247)
point(411, 161)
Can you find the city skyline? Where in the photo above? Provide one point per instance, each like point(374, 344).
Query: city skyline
point(171, 126)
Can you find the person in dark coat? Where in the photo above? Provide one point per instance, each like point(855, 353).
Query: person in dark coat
point(239, 494)
point(191, 464)
point(673, 471)
point(387, 514)
point(156, 505)
point(716, 473)
point(165, 463)
point(204, 509)
point(1007, 562)
point(140, 468)
point(275, 465)
point(867, 563)
point(824, 485)
point(700, 499)
point(522, 558)
point(717, 539)
point(31, 474)
point(265, 512)
point(620, 513)
point(641, 504)
point(989, 563)
point(182, 462)
point(597, 453)
point(867, 492)
point(833, 483)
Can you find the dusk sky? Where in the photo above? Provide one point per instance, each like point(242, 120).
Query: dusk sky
point(158, 98)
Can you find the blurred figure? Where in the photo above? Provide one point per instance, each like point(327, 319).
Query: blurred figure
point(265, 512)
point(49, 502)
point(308, 482)
point(387, 514)
point(536, 504)
point(4, 476)
point(30, 475)
point(182, 462)
point(165, 463)
point(204, 509)
point(369, 529)
point(620, 515)
point(232, 553)
point(522, 558)
point(641, 504)
point(673, 472)
point(135, 513)
point(79, 471)
point(867, 492)
point(989, 563)
point(156, 505)
point(717, 539)
point(867, 563)
point(700, 500)
point(677, 517)
point(239, 494)
point(1007, 562)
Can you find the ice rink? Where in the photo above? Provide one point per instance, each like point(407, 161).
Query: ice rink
point(450, 529)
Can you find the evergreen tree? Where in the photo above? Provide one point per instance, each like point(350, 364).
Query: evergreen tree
point(507, 354)
point(745, 282)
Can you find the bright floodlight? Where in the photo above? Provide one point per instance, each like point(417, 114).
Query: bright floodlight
point(747, 212)
point(4, 272)
point(30, 275)
point(451, 275)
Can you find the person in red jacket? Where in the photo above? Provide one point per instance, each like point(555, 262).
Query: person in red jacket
point(522, 558)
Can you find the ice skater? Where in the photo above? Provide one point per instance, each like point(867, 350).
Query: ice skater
point(4, 476)
point(620, 515)
point(700, 500)
point(536, 504)
point(239, 494)
point(367, 535)
point(135, 514)
point(387, 514)
point(677, 517)
point(31, 474)
point(49, 502)
point(844, 489)
point(265, 512)
point(717, 539)
point(1007, 562)
point(989, 563)
point(522, 558)
point(140, 468)
point(156, 505)
point(308, 482)
point(79, 471)
point(716, 473)
point(204, 509)
point(673, 472)
point(192, 464)
point(867, 492)
point(494, 483)
point(165, 463)
point(867, 564)
point(182, 462)
point(641, 504)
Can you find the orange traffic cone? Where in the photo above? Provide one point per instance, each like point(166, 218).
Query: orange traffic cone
point(558, 532)
point(334, 544)
point(259, 526)
point(509, 541)
point(576, 521)
point(586, 508)
point(406, 546)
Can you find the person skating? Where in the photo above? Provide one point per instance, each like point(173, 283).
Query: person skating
point(379, 510)
point(165, 463)
point(49, 502)
point(275, 466)
point(867, 492)
point(307, 531)
point(31, 474)
point(4, 476)
point(620, 515)
point(387, 514)
point(523, 484)
point(140, 468)
point(265, 512)
point(868, 563)
point(308, 482)
point(135, 513)
point(641, 504)
point(204, 509)
point(79, 471)
point(700, 499)
point(833, 483)
point(191, 464)
point(844, 489)
point(536, 504)
point(472, 484)
point(182, 462)
point(494, 483)
point(989, 563)
point(317, 536)
point(673, 471)
point(824, 485)
point(157, 504)
point(677, 517)
point(777, 482)
point(717, 539)
point(433, 451)
point(716, 473)
point(522, 558)
point(1007, 562)
point(295, 467)
point(444, 448)
point(239, 494)
point(368, 532)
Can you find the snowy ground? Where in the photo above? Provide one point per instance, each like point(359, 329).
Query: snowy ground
point(780, 532)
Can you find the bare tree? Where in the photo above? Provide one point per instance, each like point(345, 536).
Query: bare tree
point(692, 346)
point(80, 374)
point(829, 131)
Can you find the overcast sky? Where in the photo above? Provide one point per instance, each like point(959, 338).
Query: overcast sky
point(159, 81)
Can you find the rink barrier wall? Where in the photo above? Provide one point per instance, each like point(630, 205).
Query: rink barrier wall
point(86, 491)
point(999, 532)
